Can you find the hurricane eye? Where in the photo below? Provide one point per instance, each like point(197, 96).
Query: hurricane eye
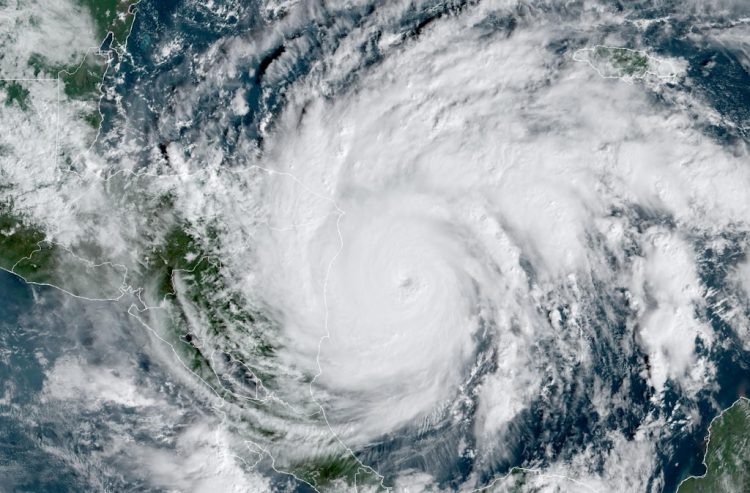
point(402, 246)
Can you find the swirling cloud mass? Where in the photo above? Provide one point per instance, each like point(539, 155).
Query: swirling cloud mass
point(417, 246)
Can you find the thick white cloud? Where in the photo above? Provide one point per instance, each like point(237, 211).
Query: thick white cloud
point(467, 190)
point(526, 154)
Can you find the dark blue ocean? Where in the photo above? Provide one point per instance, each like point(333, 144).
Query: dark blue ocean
point(40, 325)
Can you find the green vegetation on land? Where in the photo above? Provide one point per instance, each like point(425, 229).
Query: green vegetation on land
point(25, 252)
point(629, 62)
point(18, 240)
point(181, 253)
point(515, 482)
point(80, 81)
point(181, 262)
point(39, 264)
point(82, 77)
point(15, 94)
point(83, 82)
point(94, 118)
point(111, 16)
point(323, 471)
point(728, 455)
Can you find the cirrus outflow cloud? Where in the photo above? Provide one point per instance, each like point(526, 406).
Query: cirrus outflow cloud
point(489, 222)
point(472, 252)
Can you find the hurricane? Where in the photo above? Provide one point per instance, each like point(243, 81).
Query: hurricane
point(375, 246)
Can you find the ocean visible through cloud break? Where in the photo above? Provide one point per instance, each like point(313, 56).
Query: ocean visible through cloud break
point(297, 246)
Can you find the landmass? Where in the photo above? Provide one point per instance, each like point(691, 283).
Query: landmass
point(26, 249)
point(625, 63)
point(727, 458)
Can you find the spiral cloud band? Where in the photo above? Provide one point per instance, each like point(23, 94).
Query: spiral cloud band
point(458, 255)
point(411, 246)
